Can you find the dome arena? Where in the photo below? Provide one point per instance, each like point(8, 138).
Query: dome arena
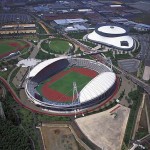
point(113, 36)
point(64, 85)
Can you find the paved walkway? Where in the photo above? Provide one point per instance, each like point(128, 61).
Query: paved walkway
point(147, 111)
point(44, 27)
point(8, 78)
point(20, 76)
point(138, 117)
point(36, 50)
point(96, 48)
point(147, 118)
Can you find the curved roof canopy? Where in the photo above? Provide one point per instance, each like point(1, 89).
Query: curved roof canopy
point(42, 65)
point(97, 86)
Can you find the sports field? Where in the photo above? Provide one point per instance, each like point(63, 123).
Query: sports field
point(9, 46)
point(6, 48)
point(59, 45)
point(60, 86)
point(65, 84)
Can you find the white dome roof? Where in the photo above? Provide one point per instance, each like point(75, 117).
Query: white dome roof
point(97, 86)
point(111, 29)
point(112, 41)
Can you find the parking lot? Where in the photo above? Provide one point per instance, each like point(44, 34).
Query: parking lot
point(129, 65)
point(15, 17)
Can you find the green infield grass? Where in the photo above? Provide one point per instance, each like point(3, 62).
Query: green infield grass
point(65, 84)
point(59, 46)
point(6, 48)
point(10, 45)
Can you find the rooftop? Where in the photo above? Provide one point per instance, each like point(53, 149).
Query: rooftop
point(69, 21)
point(112, 29)
point(106, 129)
point(97, 86)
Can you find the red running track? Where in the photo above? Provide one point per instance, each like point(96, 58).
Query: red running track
point(14, 44)
point(51, 94)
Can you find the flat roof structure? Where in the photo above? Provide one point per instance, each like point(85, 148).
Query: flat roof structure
point(106, 129)
point(69, 21)
point(112, 36)
point(76, 27)
point(146, 75)
point(6, 18)
point(20, 25)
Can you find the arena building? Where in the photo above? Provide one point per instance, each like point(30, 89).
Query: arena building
point(100, 87)
point(112, 36)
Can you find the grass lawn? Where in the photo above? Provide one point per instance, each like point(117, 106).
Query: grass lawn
point(5, 45)
point(6, 48)
point(65, 85)
point(123, 56)
point(59, 45)
point(77, 35)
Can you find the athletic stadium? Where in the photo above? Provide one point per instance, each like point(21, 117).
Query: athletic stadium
point(113, 36)
point(64, 85)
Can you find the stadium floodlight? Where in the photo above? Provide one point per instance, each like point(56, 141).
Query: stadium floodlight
point(75, 113)
point(117, 100)
point(75, 92)
point(83, 114)
point(18, 25)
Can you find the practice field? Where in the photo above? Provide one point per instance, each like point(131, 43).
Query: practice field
point(9, 46)
point(6, 48)
point(57, 137)
point(59, 46)
point(60, 86)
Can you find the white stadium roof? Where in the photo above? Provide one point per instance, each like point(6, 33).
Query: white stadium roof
point(42, 65)
point(97, 86)
point(112, 29)
point(112, 41)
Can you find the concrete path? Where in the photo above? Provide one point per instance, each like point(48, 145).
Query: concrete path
point(147, 118)
point(96, 48)
point(35, 50)
point(8, 78)
point(138, 117)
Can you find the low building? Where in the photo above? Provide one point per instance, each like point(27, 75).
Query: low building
point(18, 29)
point(142, 27)
point(84, 10)
point(75, 28)
point(64, 22)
